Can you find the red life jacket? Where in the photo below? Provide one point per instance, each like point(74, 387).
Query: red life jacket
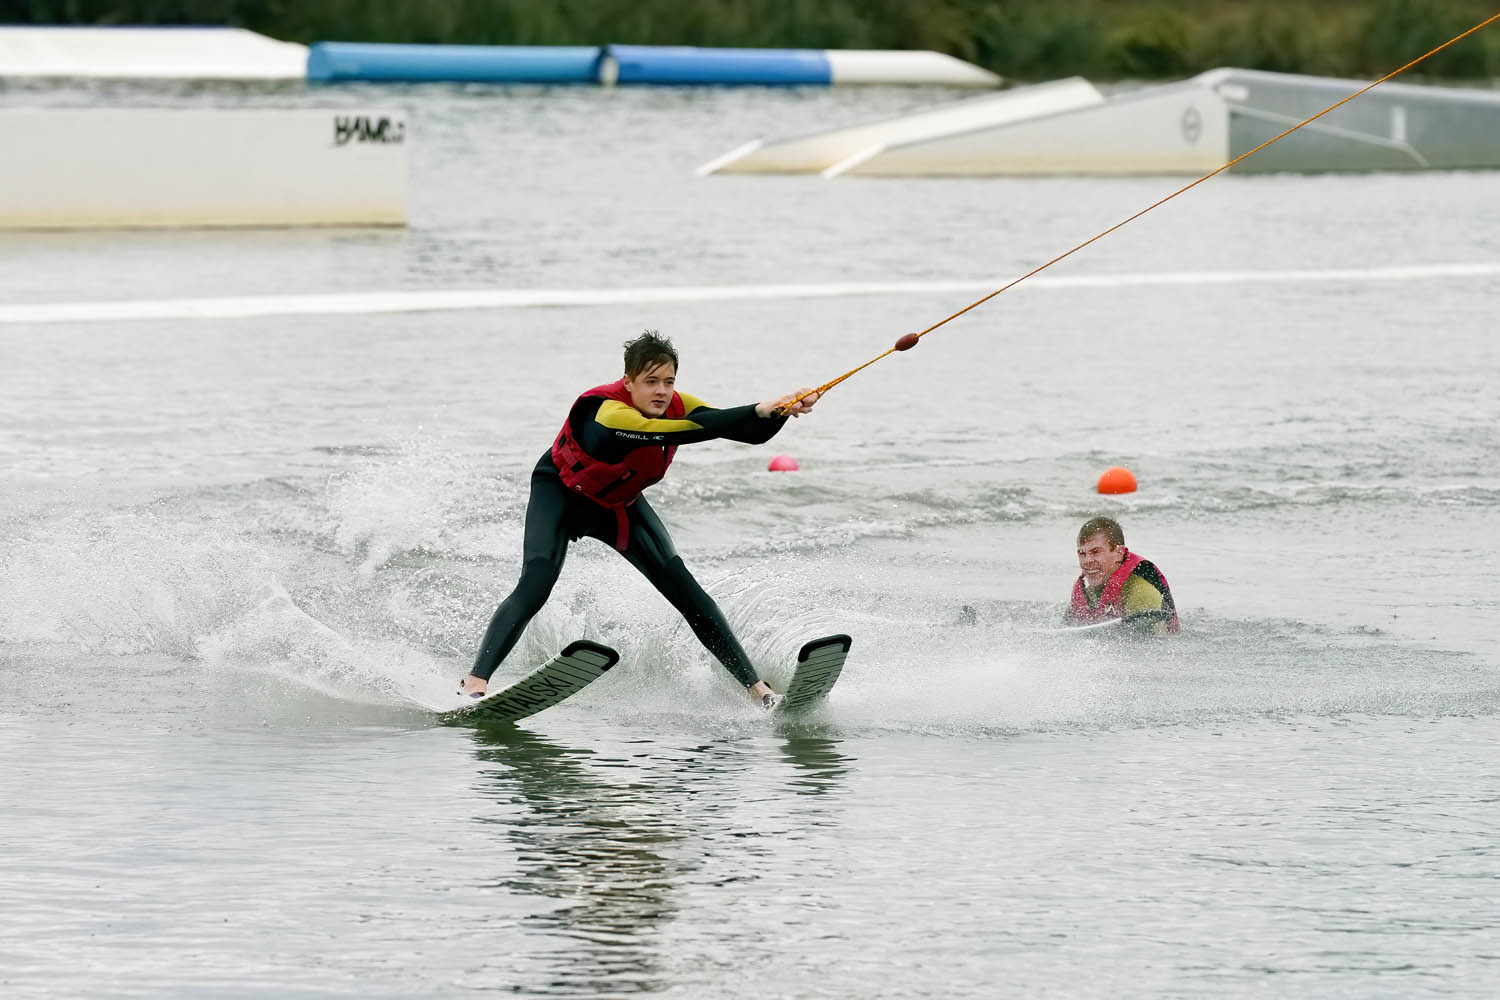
point(613, 484)
point(1108, 606)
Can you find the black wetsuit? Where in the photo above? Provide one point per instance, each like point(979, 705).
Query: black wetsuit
point(556, 515)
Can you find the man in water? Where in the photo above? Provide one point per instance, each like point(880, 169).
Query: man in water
point(1115, 583)
point(619, 439)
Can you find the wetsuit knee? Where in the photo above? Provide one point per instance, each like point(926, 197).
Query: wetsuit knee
point(541, 571)
point(678, 584)
point(538, 574)
point(705, 618)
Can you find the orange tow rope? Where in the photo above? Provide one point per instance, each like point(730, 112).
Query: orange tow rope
point(907, 341)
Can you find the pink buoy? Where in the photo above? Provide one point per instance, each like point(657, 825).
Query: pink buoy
point(782, 463)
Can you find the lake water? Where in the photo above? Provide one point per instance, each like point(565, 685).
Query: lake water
point(241, 560)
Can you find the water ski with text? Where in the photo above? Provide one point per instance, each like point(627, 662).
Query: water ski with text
point(818, 667)
point(1141, 623)
point(561, 677)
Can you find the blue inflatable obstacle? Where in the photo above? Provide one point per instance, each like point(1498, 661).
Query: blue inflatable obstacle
point(688, 65)
point(331, 61)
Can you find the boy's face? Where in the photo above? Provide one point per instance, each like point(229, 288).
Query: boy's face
point(651, 390)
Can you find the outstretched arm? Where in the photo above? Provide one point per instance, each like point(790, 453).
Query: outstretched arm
point(609, 429)
point(770, 417)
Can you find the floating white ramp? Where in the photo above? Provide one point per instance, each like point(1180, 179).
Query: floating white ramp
point(149, 53)
point(838, 151)
point(1174, 129)
point(94, 168)
point(1191, 127)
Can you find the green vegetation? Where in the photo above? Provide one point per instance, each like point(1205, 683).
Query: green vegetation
point(1020, 39)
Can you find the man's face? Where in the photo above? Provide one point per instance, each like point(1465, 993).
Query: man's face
point(651, 390)
point(1098, 559)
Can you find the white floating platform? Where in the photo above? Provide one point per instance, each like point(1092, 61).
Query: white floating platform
point(149, 53)
point(105, 168)
point(915, 68)
point(444, 300)
point(1190, 127)
point(695, 66)
point(1396, 126)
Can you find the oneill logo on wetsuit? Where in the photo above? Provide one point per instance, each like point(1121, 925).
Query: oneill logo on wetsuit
point(1110, 606)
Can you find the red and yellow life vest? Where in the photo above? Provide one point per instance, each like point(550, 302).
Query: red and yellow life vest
point(613, 484)
point(1109, 605)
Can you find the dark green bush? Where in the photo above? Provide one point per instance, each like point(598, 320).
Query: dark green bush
point(1020, 39)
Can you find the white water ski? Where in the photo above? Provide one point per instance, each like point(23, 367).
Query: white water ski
point(1092, 628)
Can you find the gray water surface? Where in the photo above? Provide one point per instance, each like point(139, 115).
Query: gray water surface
point(241, 562)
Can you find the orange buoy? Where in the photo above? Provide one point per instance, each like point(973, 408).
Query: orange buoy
point(782, 463)
point(1117, 480)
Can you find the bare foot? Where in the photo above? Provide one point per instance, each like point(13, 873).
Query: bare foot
point(762, 693)
point(473, 686)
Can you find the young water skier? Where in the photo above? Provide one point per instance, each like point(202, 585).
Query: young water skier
point(1117, 584)
point(617, 440)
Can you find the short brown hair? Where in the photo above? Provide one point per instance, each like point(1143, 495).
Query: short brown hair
point(647, 351)
point(1108, 525)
